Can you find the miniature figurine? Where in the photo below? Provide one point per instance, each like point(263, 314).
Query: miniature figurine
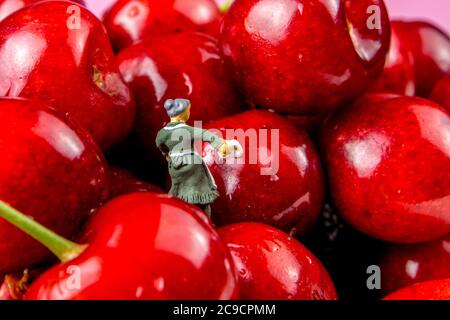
point(191, 178)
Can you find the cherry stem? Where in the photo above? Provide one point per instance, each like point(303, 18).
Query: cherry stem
point(225, 6)
point(62, 248)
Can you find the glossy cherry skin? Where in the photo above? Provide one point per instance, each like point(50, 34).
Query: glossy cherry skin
point(122, 182)
point(49, 169)
point(399, 73)
point(185, 65)
point(441, 92)
point(128, 21)
point(273, 266)
point(299, 57)
point(430, 290)
point(430, 48)
point(145, 246)
point(46, 57)
point(10, 6)
point(388, 163)
point(279, 181)
point(405, 265)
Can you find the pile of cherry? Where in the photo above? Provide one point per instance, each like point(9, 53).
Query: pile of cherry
point(361, 104)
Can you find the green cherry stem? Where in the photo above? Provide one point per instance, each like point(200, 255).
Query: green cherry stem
point(225, 6)
point(62, 248)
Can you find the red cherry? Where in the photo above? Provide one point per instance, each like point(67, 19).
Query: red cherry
point(274, 266)
point(430, 290)
point(309, 123)
point(441, 92)
point(430, 48)
point(139, 236)
point(398, 75)
point(128, 21)
point(10, 6)
point(50, 169)
point(404, 265)
point(184, 65)
point(305, 57)
point(122, 182)
point(388, 158)
point(47, 56)
point(281, 181)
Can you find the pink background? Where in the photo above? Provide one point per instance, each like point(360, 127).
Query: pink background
point(435, 10)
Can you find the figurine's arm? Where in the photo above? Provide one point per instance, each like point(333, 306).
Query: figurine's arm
point(207, 136)
point(223, 147)
point(161, 146)
point(164, 152)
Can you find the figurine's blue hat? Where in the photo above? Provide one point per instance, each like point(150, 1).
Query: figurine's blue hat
point(176, 107)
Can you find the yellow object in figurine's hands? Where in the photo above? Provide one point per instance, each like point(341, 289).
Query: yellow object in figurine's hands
point(231, 147)
point(223, 149)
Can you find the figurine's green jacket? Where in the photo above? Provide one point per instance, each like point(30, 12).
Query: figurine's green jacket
point(191, 179)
